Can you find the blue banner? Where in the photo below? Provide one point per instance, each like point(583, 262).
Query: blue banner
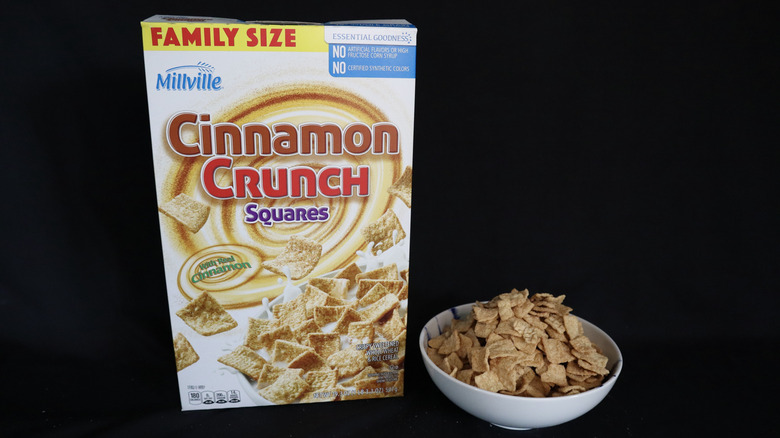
point(371, 61)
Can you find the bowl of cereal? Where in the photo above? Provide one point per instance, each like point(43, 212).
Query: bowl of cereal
point(520, 361)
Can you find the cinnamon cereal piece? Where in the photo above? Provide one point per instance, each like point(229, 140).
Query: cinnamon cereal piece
point(384, 232)
point(300, 255)
point(245, 360)
point(336, 287)
point(286, 388)
point(387, 272)
point(185, 354)
point(402, 187)
point(186, 211)
point(206, 316)
point(377, 310)
point(325, 344)
point(349, 273)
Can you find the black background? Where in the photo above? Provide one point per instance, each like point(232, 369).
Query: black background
point(621, 153)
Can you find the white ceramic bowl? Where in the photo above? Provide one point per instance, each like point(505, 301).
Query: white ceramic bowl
point(513, 412)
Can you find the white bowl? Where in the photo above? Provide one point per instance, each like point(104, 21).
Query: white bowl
point(513, 412)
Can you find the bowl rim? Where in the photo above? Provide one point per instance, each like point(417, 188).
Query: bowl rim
point(614, 372)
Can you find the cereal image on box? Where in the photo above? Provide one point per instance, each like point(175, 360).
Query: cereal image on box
point(283, 159)
point(185, 354)
point(190, 213)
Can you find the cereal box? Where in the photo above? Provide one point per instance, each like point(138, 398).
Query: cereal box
point(283, 168)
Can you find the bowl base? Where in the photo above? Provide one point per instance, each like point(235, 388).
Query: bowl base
point(512, 428)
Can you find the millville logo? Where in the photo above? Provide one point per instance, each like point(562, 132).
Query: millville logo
point(184, 78)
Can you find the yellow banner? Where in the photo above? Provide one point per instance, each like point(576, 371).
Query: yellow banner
point(233, 37)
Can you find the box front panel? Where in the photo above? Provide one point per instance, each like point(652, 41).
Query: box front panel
point(283, 167)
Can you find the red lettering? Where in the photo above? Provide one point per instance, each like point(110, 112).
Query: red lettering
point(217, 40)
point(231, 35)
point(271, 37)
point(190, 36)
point(208, 177)
point(170, 38)
point(282, 182)
point(252, 36)
point(324, 181)
point(289, 37)
point(247, 179)
point(278, 191)
point(299, 175)
point(221, 37)
point(276, 41)
point(156, 35)
point(350, 181)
